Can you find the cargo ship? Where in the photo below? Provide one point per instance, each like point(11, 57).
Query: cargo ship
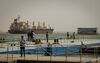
point(20, 27)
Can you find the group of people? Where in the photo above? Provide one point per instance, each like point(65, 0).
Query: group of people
point(30, 36)
point(72, 36)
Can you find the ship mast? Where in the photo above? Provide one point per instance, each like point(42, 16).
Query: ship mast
point(27, 24)
point(18, 17)
point(44, 27)
point(39, 27)
point(34, 27)
point(33, 23)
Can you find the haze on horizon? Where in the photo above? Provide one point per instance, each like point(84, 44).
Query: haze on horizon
point(63, 15)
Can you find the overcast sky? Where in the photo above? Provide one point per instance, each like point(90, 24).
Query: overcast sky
point(63, 15)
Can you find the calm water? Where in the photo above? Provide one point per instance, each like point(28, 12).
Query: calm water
point(37, 36)
point(8, 36)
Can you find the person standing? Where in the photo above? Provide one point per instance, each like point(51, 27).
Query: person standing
point(47, 36)
point(67, 35)
point(73, 35)
point(32, 35)
point(28, 35)
point(22, 46)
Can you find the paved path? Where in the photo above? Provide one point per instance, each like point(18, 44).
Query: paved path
point(5, 57)
point(10, 57)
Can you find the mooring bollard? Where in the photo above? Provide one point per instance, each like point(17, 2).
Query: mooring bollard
point(7, 51)
point(12, 45)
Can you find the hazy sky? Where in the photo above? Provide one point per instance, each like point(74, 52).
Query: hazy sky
point(63, 15)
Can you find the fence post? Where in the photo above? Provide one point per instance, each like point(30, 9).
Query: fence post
point(66, 49)
point(24, 53)
point(50, 52)
point(81, 53)
point(37, 52)
point(12, 50)
point(96, 55)
point(7, 51)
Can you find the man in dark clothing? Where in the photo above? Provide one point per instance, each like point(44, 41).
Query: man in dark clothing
point(73, 35)
point(67, 35)
point(22, 46)
point(28, 35)
point(47, 36)
point(31, 34)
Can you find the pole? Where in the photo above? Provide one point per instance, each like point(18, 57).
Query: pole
point(12, 50)
point(37, 53)
point(81, 53)
point(50, 52)
point(96, 54)
point(67, 46)
point(7, 51)
point(24, 53)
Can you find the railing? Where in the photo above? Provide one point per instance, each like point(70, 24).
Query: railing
point(38, 55)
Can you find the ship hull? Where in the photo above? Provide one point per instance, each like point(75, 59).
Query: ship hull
point(37, 31)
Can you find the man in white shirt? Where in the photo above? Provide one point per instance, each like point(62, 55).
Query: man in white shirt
point(22, 46)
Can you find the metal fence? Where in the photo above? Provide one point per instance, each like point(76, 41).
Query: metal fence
point(11, 51)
